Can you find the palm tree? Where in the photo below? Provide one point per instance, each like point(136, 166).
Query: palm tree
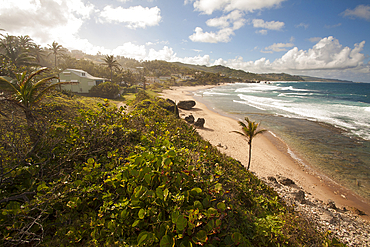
point(111, 63)
point(17, 50)
point(28, 92)
point(55, 48)
point(249, 131)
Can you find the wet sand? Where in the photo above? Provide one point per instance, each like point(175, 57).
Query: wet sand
point(270, 155)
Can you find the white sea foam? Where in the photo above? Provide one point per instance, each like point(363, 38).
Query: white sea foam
point(286, 100)
point(295, 157)
point(273, 134)
point(214, 93)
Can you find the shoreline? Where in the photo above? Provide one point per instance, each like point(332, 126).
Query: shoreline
point(271, 157)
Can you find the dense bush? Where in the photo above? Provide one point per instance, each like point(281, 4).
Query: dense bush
point(107, 89)
point(139, 178)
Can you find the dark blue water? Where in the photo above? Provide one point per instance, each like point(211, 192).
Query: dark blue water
point(328, 124)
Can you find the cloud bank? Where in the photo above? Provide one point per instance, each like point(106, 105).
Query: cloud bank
point(209, 6)
point(327, 54)
point(235, 20)
point(134, 17)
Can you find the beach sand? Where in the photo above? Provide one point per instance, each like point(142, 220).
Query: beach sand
point(270, 156)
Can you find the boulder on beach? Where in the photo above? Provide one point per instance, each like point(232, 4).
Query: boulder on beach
point(286, 181)
point(186, 104)
point(190, 119)
point(200, 122)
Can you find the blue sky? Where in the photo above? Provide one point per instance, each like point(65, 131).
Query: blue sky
point(323, 38)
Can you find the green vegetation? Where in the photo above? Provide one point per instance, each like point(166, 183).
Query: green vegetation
point(77, 171)
point(107, 90)
point(109, 177)
point(241, 74)
point(249, 131)
point(111, 63)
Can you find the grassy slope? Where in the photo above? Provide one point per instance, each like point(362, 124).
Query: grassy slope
point(141, 178)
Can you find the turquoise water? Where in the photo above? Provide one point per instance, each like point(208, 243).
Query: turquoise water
point(328, 124)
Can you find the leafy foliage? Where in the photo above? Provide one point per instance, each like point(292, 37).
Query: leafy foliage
point(139, 178)
point(107, 89)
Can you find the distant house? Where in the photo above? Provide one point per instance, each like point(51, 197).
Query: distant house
point(187, 77)
point(164, 78)
point(82, 81)
point(151, 79)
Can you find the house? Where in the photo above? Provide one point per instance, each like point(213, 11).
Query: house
point(82, 81)
point(165, 78)
point(151, 79)
point(187, 77)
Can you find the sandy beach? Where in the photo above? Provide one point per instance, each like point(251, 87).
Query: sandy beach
point(270, 156)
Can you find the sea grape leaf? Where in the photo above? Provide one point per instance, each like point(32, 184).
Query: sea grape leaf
point(196, 190)
point(198, 205)
point(141, 238)
point(201, 236)
point(181, 223)
point(221, 206)
point(147, 178)
point(166, 241)
point(141, 213)
point(165, 193)
point(159, 193)
point(174, 216)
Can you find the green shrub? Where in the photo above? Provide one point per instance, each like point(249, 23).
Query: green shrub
point(139, 178)
point(107, 89)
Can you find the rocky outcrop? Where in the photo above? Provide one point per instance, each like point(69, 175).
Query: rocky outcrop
point(200, 122)
point(345, 225)
point(186, 104)
point(190, 119)
point(170, 106)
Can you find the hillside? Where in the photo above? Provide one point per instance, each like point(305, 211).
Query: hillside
point(242, 74)
point(106, 177)
point(318, 79)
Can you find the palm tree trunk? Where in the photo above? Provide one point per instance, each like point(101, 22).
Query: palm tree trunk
point(250, 155)
point(32, 131)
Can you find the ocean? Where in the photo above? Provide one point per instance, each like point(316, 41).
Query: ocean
point(326, 124)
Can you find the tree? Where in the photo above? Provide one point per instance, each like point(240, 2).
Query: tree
point(249, 131)
point(111, 63)
point(55, 49)
point(17, 49)
point(107, 89)
point(28, 91)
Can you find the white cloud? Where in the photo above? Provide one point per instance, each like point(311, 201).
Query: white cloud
point(271, 25)
point(200, 60)
point(209, 6)
point(361, 11)
point(222, 35)
point(165, 54)
point(277, 47)
point(134, 17)
point(130, 50)
point(227, 24)
point(302, 25)
point(327, 55)
point(333, 26)
point(45, 21)
point(314, 39)
point(262, 31)
point(224, 21)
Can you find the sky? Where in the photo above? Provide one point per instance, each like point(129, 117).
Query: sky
point(322, 38)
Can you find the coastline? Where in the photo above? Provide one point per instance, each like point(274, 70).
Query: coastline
point(271, 157)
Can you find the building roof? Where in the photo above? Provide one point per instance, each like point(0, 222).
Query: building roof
point(87, 75)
